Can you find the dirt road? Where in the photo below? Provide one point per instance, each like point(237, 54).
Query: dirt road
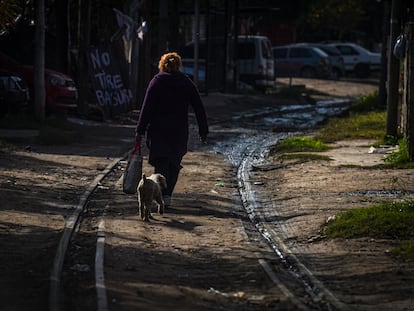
point(204, 253)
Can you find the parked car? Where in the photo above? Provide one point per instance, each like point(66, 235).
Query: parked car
point(61, 92)
point(302, 61)
point(14, 93)
point(255, 61)
point(358, 60)
point(337, 60)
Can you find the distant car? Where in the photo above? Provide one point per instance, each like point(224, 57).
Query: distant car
point(358, 60)
point(61, 92)
point(337, 60)
point(302, 61)
point(14, 93)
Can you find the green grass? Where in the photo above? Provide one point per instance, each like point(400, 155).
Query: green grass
point(300, 147)
point(388, 220)
point(366, 119)
point(399, 158)
point(299, 144)
point(369, 125)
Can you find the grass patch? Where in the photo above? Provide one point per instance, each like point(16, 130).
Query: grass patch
point(399, 158)
point(366, 119)
point(387, 220)
point(370, 125)
point(300, 148)
point(299, 144)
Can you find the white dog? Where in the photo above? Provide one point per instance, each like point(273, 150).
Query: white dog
point(150, 190)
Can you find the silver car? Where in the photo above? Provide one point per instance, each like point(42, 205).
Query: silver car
point(301, 61)
point(358, 60)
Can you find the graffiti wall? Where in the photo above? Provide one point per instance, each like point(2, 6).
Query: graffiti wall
point(109, 85)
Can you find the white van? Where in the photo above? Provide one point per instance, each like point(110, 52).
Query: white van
point(255, 61)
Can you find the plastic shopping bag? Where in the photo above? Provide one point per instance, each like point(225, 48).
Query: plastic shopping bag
point(133, 171)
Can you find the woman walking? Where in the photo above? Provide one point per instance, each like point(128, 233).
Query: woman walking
point(164, 119)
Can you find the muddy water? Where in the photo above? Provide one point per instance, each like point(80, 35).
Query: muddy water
point(249, 130)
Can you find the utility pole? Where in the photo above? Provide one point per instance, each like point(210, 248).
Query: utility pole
point(39, 68)
point(393, 70)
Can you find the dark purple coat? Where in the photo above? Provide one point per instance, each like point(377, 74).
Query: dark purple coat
point(164, 114)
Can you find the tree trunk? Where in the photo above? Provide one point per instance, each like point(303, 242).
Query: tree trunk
point(84, 39)
point(39, 68)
